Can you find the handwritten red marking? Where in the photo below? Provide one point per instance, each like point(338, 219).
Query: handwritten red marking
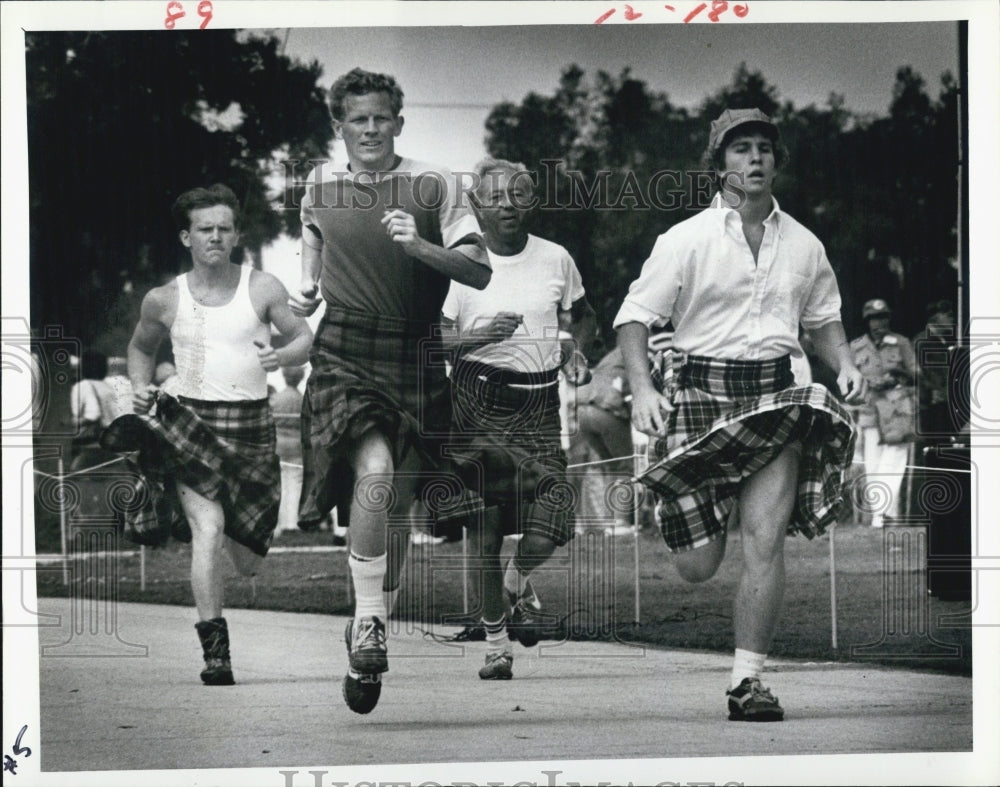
point(205, 12)
point(718, 7)
point(175, 11)
point(741, 10)
point(630, 13)
point(603, 16)
point(697, 10)
point(669, 7)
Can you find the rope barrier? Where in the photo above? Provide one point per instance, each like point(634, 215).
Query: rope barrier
point(63, 477)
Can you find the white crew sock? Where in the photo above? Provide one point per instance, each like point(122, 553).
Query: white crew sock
point(746, 664)
point(496, 635)
point(367, 574)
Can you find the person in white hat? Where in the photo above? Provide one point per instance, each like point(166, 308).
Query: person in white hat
point(887, 418)
point(734, 435)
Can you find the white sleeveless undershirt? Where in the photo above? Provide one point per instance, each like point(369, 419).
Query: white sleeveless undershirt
point(214, 349)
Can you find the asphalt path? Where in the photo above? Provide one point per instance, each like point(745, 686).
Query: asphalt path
point(120, 691)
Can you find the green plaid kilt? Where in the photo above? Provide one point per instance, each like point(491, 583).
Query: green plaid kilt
point(730, 419)
point(369, 371)
point(224, 451)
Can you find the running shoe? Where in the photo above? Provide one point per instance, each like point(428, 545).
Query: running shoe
point(752, 701)
point(525, 622)
point(367, 654)
point(498, 666)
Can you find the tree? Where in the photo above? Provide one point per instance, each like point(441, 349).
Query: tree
point(119, 124)
point(880, 192)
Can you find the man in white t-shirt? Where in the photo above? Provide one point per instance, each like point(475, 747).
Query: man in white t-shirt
point(505, 420)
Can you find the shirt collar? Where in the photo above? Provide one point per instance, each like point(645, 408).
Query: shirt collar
point(727, 214)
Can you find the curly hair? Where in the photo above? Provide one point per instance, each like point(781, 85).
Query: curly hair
point(358, 82)
point(197, 198)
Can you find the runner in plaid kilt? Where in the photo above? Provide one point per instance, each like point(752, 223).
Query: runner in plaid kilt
point(225, 451)
point(736, 437)
point(506, 424)
point(730, 419)
point(382, 238)
point(214, 449)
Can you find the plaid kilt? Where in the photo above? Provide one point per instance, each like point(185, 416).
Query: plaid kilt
point(224, 451)
point(506, 448)
point(369, 371)
point(730, 419)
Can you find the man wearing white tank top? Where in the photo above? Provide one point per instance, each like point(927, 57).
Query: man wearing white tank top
point(218, 317)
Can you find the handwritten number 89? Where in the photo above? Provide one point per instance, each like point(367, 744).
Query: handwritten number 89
point(175, 11)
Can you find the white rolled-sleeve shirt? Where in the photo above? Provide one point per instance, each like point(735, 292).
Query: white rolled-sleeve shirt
point(701, 276)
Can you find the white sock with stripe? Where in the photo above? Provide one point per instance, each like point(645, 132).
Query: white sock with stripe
point(367, 574)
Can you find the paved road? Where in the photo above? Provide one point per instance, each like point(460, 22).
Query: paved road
point(141, 705)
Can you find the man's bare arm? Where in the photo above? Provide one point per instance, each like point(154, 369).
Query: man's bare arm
point(271, 293)
point(832, 347)
point(151, 330)
point(466, 263)
point(648, 405)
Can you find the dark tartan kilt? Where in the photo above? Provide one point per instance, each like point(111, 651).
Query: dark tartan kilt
point(730, 419)
point(224, 451)
point(506, 448)
point(369, 372)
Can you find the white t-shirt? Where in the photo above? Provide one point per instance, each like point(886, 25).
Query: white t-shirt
point(536, 283)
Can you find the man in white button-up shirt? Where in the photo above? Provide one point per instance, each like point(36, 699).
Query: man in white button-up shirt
point(735, 437)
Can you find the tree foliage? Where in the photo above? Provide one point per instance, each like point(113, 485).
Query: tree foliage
point(881, 193)
point(119, 124)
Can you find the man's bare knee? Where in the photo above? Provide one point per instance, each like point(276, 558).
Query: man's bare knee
point(700, 565)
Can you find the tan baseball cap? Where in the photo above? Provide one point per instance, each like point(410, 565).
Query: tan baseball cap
point(730, 119)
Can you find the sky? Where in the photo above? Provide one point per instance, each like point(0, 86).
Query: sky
point(452, 76)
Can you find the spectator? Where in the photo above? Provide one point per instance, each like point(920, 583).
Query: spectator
point(286, 409)
point(886, 419)
point(92, 408)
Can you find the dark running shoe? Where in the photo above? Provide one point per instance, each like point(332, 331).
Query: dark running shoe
point(752, 701)
point(366, 652)
point(525, 623)
point(497, 666)
point(361, 692)
point(366, 646)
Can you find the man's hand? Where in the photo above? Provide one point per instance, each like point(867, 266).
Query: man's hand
point(304, 302)
point(648, 410)
point(500, 328)
point(142, 399)
point(402, 228)
point(576, 369)
point(852, 385)
point(267, 357)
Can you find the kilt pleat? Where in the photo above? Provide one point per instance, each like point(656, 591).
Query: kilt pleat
point(506, 448)
point(224, 451)
point(368, 372)
point(730, 419)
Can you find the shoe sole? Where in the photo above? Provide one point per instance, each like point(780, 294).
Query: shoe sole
point(220, 679)
point(496, 676)
point(767, 715)
point(359, 699)
point(521, 634)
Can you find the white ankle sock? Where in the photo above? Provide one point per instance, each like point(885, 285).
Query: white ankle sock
point(496, 634)
point(367, 574)
point(746, 664)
